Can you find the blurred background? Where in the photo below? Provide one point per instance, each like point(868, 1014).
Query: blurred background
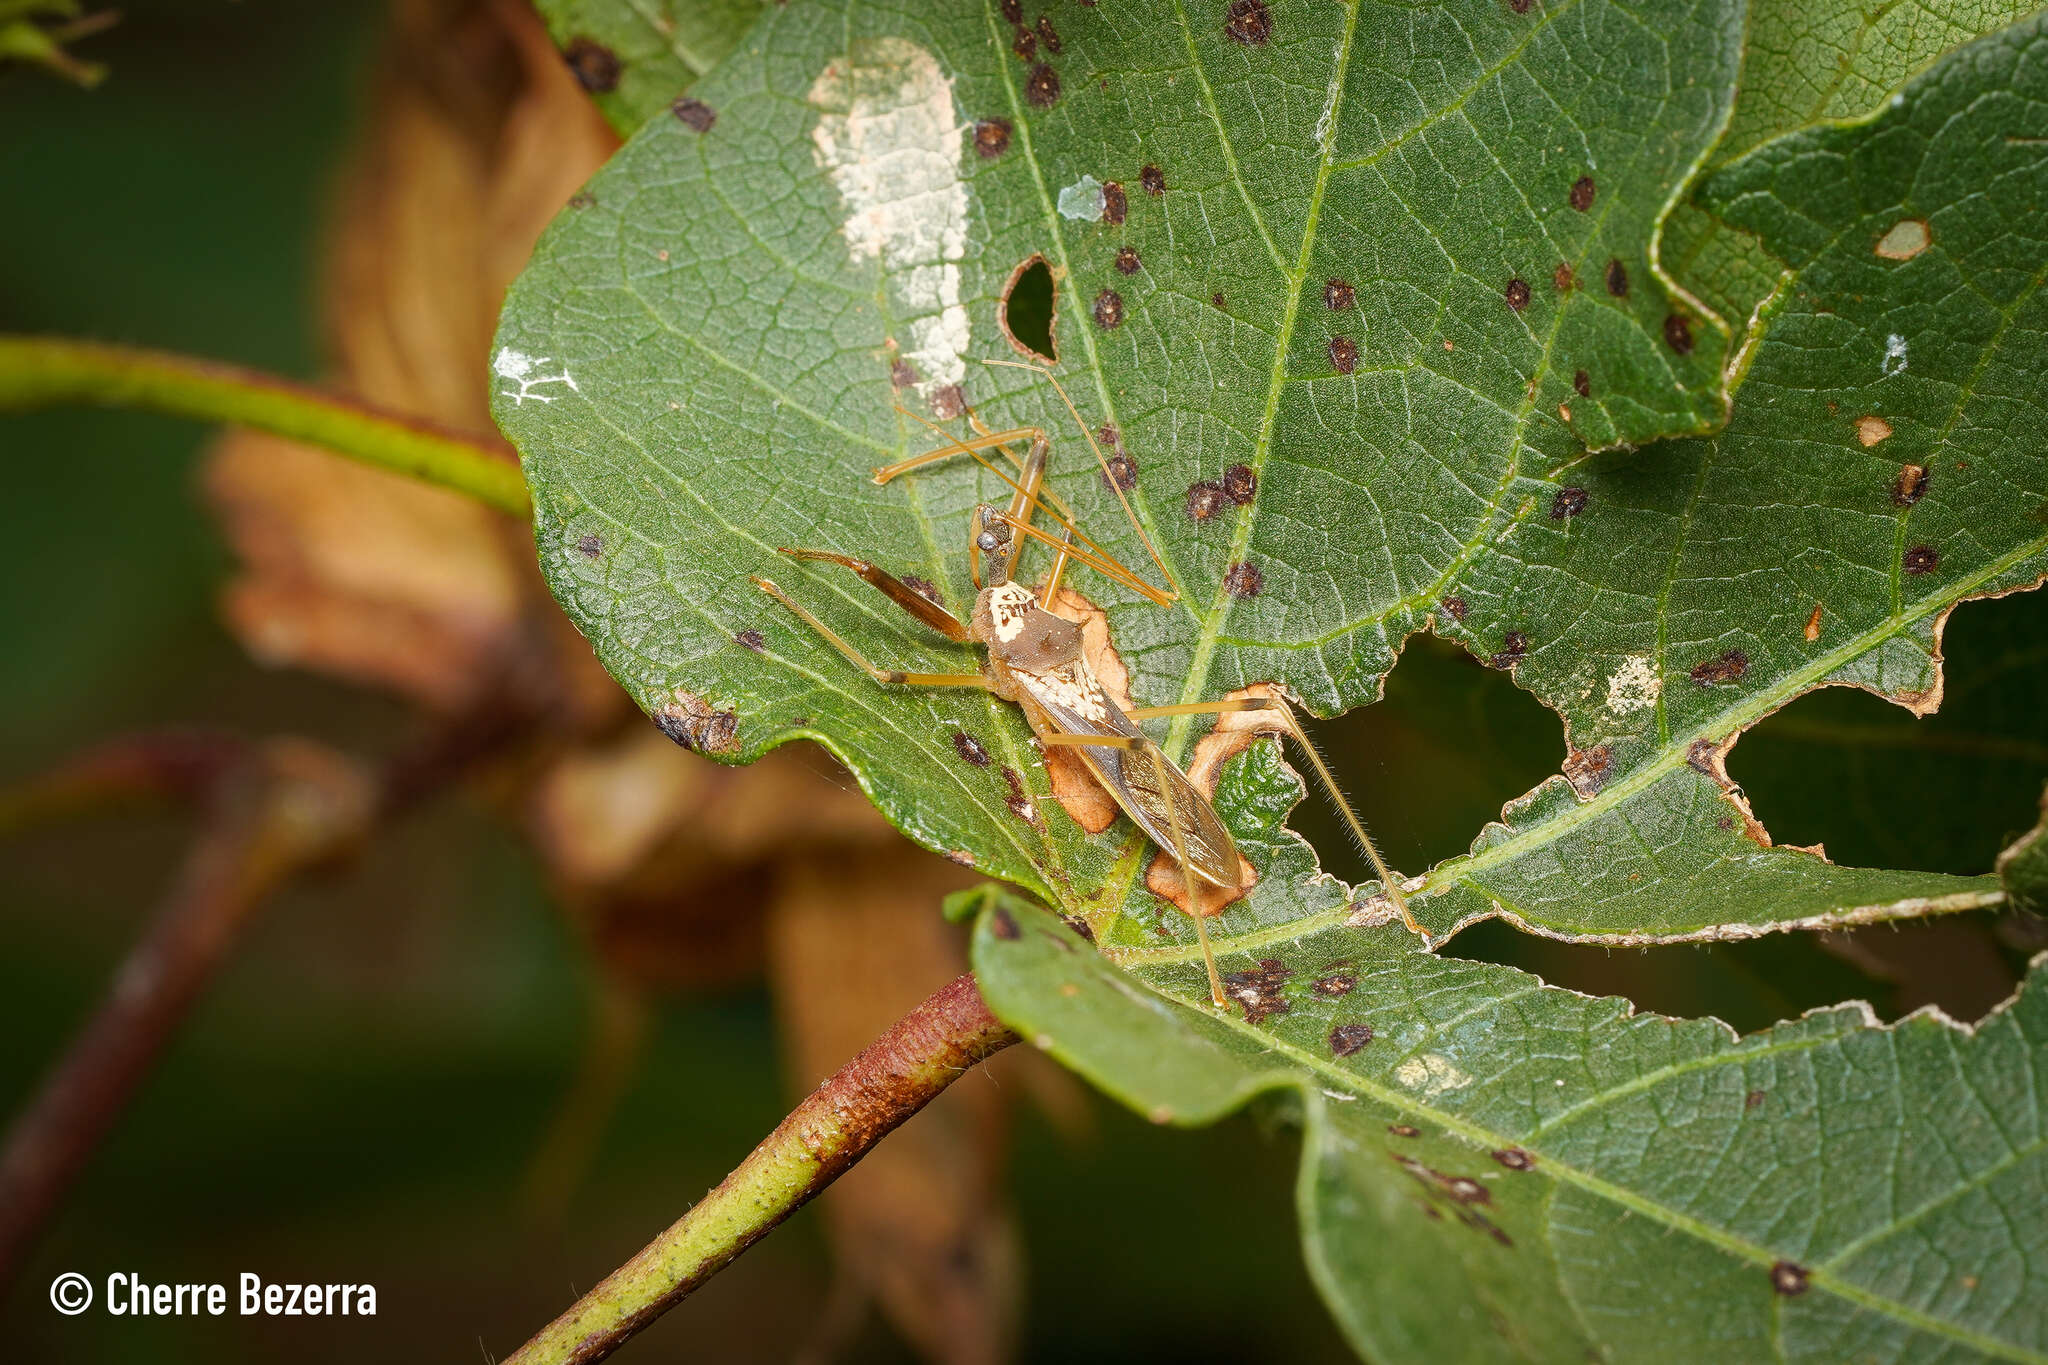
point(566, 974)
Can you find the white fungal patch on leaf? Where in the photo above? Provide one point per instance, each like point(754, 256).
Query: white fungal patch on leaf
point(1082, 200)
point(1634, 686)
point(1894, 361)
point(889, 138)
point(519, 367)
point(1432, 1073)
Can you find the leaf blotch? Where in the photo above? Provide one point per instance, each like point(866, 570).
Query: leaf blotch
point(1154, 181)
point(1678, 333)
point(1568, 503)
point(1515, 1159)
point(596, 66)
point(1588, 770)
point(1699, 756)
point(1335, 985)
point(1788, 1278)
point(1617, 279)
point(1518, 294)
point(1520, 6)
point(1581, 195)
point(1582, 384)
point(1205, 500)
point(948, 402)
point(1907, 238)
point(1004, 926)
point(1454, 607)
point(1019, 801)
point(902, 375)
point(590, 547)
point(971, 749)
point(1116, 205)
point(1241, 484)
point(752, 639)
point(1407, 1130)
point(1013, 11)
point(1259, 991)
point(1127, 262)
point(1216, 301)
point(992, 137)
point(1245, 579)
point(1727, 667)
point(1752, 1099)
point(1514, 646)
point(1109, 310)
point(1249, 22)
point(1042, 88)
point(1871, 430)
point(1346, 1039)
point(1910, 486)
point(698, 726)
point(1048, 35)
point(1562, 279)
point(1338, 294)
point(1921, 559)
point(1343, 354)
point(694, 114)
point(1023, 42)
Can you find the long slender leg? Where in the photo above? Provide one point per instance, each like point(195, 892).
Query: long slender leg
point(994, 440)
point(901, 593)
point(1292, 725)
point(880, 675)
point(1189, 887)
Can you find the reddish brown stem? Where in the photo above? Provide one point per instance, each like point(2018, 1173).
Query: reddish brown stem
point(898, 1074)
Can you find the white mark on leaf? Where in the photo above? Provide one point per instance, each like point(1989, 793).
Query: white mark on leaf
point(1894, 361)
point(1082, 200)
point(519, 367)
point(1432, 1073)
point(888, 136)
point(1325, 124)
point(1634, 686)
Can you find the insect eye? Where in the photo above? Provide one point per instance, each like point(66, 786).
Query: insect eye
point(987, 541)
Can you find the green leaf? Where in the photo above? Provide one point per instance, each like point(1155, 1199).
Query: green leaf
point(636, 56)
point(1493, 1169)
point(2024, 867)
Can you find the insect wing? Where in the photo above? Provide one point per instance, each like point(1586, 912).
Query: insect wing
point(1130, 776)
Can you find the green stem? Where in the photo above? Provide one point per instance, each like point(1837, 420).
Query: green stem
point(899, 1073)
point(41, 372)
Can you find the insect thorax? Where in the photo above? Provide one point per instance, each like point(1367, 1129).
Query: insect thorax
point(1023, 635)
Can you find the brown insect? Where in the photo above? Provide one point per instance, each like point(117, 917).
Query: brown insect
point(1035, 659)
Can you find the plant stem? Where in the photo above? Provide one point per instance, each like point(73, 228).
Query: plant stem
point(898, 1074)
point(40, 372)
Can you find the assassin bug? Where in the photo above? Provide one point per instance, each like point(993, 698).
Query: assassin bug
point(1034, 658)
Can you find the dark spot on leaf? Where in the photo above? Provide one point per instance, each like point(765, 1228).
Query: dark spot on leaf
point(1700, 757)
point(1127, 262)
point(596, 66)
point(1725, 823)
point(1024, 43)
point(1004, 925)
point(1019, 801)
point(1259, 991)
point(1520, 6)
point(693, 723)
point(1454, 607)
point(1678, 333)
point(1043, 86)
point(1249, 22)
point(1346, 1039)
point(1241, 484)
point(1582, 193)
point(1588, 769)
point(1562, 279)
point(1335, 984)
point(1116, 205)
point(1513, 646)
point(1339, 294)
point(1216, 300)
point(1753, 1099)
point(1245, 579)
point(1154, 181)
point(1013, 11)
point(971, 749)
point(1617, 279)
point(1910, 486)
point(960, 856)
point(1582, 384)
point(1080, 928)
point(1048, 35)
point(903, 375)
point(1568, 503)
point(1518, 294)
point(1205, 499)
point(947, 402)
point(922, 587)
point(1464, 1189)
point(1788, 1278)
point(1727, 667)
point(992, 137)
point(1343, 354)
point(1404, 1130)
point(1109, 309)
point(1515, 1159)
point(1921, 559)
point(1123, 470)
point(590, 546)
point(582, 199)
point(696, 115)
point(752, 639)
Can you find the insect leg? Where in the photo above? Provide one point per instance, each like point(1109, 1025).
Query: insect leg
point(899, 592)
point(880, 675)
point(1292, 725)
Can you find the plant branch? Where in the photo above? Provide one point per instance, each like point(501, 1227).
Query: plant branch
point(898, 1074)
point(41, 372)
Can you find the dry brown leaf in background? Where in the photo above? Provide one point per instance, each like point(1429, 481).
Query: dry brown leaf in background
point(920, 1224)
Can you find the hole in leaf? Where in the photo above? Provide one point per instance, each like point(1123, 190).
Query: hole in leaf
point(1452, 742)
point(1026, 310)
